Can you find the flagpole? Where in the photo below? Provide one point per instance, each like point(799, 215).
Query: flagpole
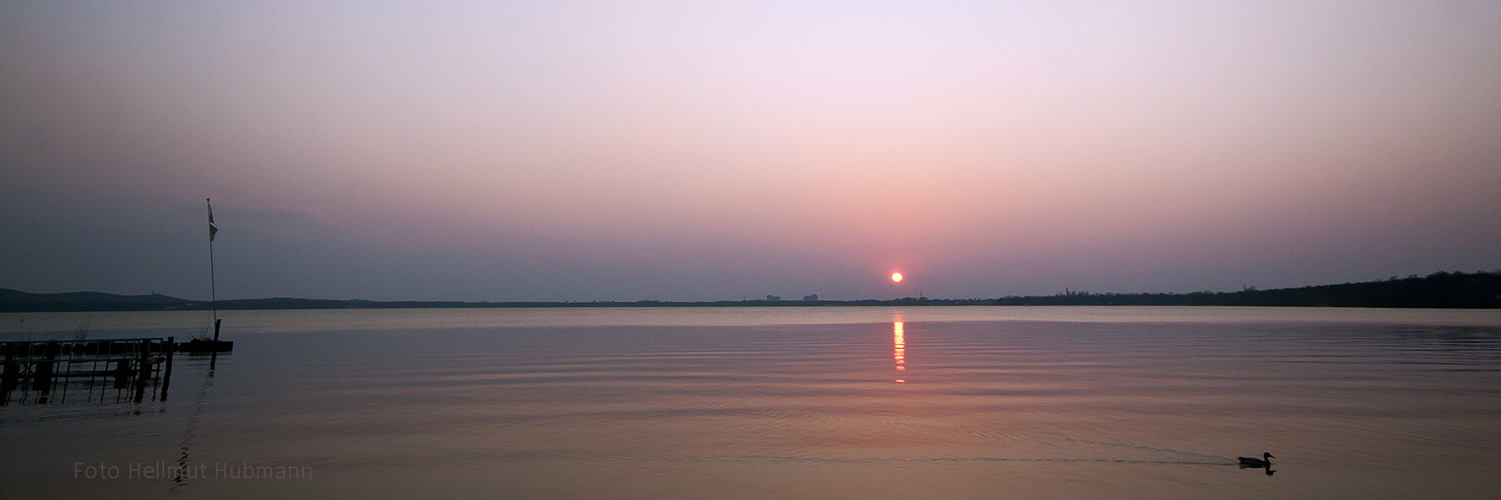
point(213, 286)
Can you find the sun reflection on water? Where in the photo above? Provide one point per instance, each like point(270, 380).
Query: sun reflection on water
point(899, 347)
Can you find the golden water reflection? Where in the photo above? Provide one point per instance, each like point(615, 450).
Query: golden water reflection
point(899, 347)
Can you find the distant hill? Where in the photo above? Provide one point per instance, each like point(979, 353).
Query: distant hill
point(18, 301)
point(1438, 290)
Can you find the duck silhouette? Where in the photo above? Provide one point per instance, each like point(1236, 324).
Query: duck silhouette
point(1265, 462)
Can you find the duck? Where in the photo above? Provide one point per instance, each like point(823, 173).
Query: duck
point(1264, 462)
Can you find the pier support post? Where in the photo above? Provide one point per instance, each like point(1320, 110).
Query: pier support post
point(145, 373)
point(171, 349)
point(10, 378)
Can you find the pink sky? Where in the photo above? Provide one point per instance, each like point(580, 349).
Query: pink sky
point(683, 151)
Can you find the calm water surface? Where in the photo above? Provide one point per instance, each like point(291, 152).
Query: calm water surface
point(954, 402)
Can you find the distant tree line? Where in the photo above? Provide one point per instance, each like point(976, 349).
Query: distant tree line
point(1438, 290)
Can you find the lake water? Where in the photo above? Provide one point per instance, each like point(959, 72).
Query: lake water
point(834, 402)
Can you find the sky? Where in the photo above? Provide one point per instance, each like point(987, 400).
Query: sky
point(560, 150)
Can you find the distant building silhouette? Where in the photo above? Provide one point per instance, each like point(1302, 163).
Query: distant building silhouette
point(810, 298)
point(773, 298)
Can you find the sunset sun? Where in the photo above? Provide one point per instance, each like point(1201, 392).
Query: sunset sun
point(896, 277)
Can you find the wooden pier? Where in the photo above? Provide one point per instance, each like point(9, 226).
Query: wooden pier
point(113, 370)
